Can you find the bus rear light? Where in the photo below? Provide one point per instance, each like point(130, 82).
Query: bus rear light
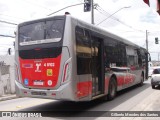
point(65, 72)
point(17, 74)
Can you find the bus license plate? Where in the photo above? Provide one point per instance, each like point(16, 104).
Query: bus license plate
point(38, 83)
point(39, 93)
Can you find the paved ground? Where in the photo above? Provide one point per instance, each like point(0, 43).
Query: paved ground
point(7, 97)
point(134, 99)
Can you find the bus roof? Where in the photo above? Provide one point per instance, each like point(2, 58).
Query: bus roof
point(105, 32)
point(41, 19)
point(90, 26)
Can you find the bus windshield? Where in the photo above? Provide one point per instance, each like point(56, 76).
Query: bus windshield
point(41, 32)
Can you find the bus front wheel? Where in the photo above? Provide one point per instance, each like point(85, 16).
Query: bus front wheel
point(112, 89)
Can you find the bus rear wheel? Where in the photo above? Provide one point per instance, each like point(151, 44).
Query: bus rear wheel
point(112, 89)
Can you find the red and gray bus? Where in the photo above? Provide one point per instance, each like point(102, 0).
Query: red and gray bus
point(64, 58)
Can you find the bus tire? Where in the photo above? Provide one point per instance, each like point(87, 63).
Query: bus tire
point(112, 90)
point(142, 80)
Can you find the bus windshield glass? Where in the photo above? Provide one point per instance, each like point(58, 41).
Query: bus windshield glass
point(41, 32)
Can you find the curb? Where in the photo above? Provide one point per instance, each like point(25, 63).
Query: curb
point(8, 97)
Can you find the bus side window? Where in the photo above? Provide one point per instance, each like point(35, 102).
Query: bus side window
point(79, 35)
point(83, 51)
point(87, 36)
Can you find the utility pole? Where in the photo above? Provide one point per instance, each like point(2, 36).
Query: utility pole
point(147, 40)
point(92, 12)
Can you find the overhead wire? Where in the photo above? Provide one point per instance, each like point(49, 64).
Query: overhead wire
point(7, 27)
point(11, 23)
point(7, 36)
point(10, 20)
point(38, 5)
point(105, 13)
point(8, 16)
point(102, 11)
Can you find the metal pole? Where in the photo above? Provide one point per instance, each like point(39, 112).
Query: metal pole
point(147, 40)
point(92, 12)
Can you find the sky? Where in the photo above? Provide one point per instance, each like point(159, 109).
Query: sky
point(127, 18)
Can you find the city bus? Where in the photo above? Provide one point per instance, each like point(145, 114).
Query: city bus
point(64, 58)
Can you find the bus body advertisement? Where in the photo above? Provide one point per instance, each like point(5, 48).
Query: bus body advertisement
point(64, 58)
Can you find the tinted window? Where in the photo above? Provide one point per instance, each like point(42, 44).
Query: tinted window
point(83, 51)
point(115, 53)
point(156, 71)
point(54, 29)
point(40, 54)
point(132, 60)
point(33, 32)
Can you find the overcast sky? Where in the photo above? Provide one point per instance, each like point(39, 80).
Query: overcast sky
point(130, 23)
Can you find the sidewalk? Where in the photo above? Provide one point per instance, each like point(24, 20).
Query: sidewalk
point(150, 103)
point(8, 97)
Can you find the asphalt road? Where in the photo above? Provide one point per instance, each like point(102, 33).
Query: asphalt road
point(136, 98)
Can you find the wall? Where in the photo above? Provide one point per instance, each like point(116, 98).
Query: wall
point(7, 70)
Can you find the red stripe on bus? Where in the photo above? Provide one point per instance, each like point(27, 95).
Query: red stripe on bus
point(65, 69)
point(120, 80)
point(84, 89)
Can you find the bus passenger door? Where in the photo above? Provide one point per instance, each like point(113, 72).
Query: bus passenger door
point(97, 68)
